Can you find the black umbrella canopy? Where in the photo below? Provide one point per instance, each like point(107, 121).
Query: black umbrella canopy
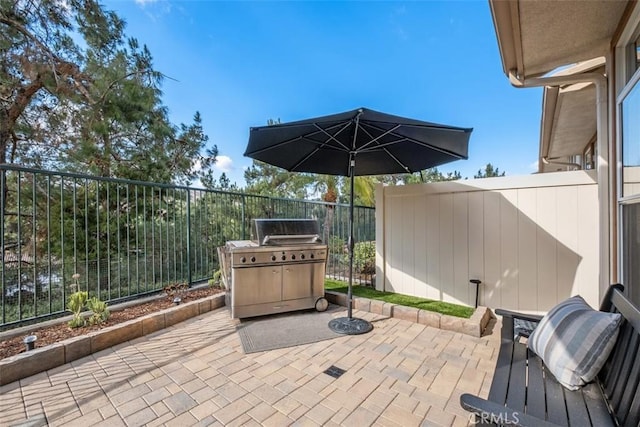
point(380, 143)
point(353, 143)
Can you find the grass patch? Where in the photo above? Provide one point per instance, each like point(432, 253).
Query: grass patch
point(406, 300)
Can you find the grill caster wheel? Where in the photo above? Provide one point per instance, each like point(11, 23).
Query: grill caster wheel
point(322, 304)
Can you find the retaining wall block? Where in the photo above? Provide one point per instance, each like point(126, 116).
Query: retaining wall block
point(30, 363)
point(429, 318)
point(152, 323)
point(116, 334)
point(180, 313)
point(76, 347)
point(406, 313)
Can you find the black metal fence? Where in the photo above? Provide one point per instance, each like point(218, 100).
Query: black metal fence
point(119, 239)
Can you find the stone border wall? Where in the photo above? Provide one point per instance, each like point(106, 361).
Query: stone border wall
point(473, 326)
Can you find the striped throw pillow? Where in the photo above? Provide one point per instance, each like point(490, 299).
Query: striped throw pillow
point(574, 341)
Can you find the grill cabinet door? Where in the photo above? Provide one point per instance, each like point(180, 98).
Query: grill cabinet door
point(300, 280)
point(257, 285)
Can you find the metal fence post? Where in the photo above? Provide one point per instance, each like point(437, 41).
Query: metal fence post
point(189, 271)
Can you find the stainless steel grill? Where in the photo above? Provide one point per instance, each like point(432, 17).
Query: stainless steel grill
point(282, 270)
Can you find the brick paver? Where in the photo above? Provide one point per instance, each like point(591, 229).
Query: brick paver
point(195, 373)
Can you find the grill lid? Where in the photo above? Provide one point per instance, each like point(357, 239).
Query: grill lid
point(275, 232)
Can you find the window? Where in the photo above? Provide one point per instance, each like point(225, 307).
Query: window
point(589, 157)
point(631, 250)
point(627, 84)
point(632, 58)
point(630, 120)
point(635, 53)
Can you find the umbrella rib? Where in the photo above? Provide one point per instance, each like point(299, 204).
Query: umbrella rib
point(319, 147)
point(402, 165)
point(332, 137)
point(289, 141)
point(374, 140)
point(406, 138)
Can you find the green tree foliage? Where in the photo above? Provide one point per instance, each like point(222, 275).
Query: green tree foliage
point(77, 95)
point(223, 183)
point(431, 175)
point(267, 180)
point(488, 172)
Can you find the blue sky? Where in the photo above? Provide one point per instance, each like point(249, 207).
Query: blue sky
point(241, 63)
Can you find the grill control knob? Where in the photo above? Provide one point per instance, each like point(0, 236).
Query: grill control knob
point(284, 257)
point(312, 256)
point(253, 259)
point(273, 257)
point(301, 256)
point(293, 257)
point(243, 259)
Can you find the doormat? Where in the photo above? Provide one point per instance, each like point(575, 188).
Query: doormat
point(286, 330)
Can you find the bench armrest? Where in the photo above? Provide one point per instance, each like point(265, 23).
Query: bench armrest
point(508, 318)
point(488, 412)
point(514, 314)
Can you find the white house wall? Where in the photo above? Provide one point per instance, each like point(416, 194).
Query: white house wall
point(532, 240)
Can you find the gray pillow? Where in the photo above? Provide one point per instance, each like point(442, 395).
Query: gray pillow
point(574, 341)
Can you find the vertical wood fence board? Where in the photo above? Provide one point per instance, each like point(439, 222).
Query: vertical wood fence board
point(509, 247)
point(547, 259)
point(420, 225)
point(527, 250)
point(567, 234)
point(461, 289)
point(588, 244)
point(393, 243)
point(446, 248)
point(408, 271)
point(492, 250)
point(476, 215)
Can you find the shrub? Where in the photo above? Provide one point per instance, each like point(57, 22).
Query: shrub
point(364, 257)
point(337, 245)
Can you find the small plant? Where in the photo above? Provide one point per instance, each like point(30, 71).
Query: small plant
point(175, 290)
point(100, 311)
point(76, 303)
point(216, 281)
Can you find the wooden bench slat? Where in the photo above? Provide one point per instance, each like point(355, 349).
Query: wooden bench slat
point(556, 407)
point(622, 395)
point(615, 374)
point(576, 409)
point(596, 406)
point(633, 417)
point(517, 393)
point(536, 396)
point(500, 383)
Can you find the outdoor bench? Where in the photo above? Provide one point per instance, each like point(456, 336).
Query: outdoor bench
point(523, 391)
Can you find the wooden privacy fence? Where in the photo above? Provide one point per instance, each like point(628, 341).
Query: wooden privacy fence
point(532, 240)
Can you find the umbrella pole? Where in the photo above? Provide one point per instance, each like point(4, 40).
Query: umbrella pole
point(351, 244)
point(350, 325)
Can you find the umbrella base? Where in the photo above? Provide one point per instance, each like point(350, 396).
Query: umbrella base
point(350, 326)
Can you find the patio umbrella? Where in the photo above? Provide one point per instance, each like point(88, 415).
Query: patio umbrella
point(355, 143)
